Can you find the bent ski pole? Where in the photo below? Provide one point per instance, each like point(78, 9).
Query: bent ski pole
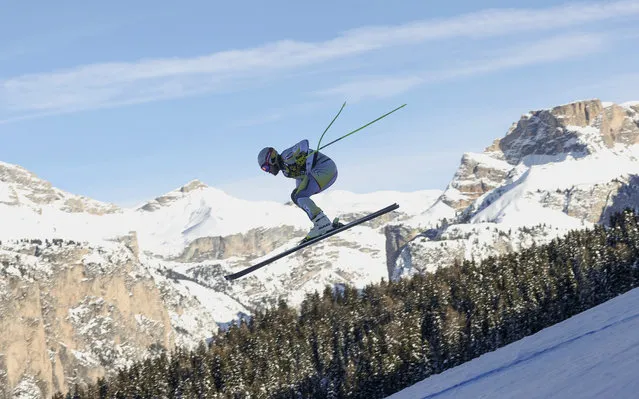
point(326, 130)
point(329, 125)
point(357, 130)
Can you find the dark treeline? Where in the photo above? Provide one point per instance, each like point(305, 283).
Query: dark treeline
point(373, 342)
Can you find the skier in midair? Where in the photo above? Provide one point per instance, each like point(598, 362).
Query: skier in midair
point(313, 172)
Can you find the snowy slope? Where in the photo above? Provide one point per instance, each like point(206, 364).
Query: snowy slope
point(50, 222)
point(594, 354)
point(517, 204)
point(203, 212)
point(32, 208)
point(183, 215)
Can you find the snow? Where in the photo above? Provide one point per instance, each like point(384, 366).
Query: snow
point(517, 206)
point(23, 222)
point(512, 211)
point(487, 160)
point(85, 359)
point(433, 214)
point(166, 225)
point(220, 306)
point(591, 355)
point(206, 212)
point(27, 388)
point(209, 212)
point(454, 194)
point(5, 193)
point(175, 219)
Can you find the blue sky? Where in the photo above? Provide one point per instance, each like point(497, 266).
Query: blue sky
point(123, 101)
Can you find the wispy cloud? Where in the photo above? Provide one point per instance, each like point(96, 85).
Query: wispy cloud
point(544, 51)
point(373, 87)
point(114, 84)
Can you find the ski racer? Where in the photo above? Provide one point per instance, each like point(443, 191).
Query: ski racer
point(313, 172)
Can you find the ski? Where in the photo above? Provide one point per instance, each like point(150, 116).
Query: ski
point(305, 244)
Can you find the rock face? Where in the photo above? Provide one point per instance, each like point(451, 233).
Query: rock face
point(256, 242)
point(477, 174)
point(552, 132)
point(70, 313)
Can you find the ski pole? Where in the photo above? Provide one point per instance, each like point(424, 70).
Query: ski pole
point(357, 130)
point(326, 130)
point(329, 125)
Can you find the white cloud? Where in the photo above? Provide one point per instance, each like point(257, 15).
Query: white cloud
point(548, 50)
point(498, 22)
point(113, 84)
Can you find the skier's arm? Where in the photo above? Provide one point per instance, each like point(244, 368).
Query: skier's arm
point(310, 155)
point(304, 147)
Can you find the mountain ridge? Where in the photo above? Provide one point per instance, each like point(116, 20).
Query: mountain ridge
point(560, 168)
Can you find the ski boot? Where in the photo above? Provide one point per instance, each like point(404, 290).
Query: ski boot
point(321, 225)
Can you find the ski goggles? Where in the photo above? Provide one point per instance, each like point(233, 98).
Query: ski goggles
point(266, 166)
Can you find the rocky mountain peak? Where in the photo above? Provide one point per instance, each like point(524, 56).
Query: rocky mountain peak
point(20, 187)
point(192, 186)
point(576, 130)
point(10, 173)
point(580, 113)
point(174, 195)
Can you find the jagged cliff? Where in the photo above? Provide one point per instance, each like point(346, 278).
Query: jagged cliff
point(574, 130)
point(70, 312)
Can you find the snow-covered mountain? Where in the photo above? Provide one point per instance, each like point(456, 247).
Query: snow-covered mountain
point(86, 287)
point(556, 169)
point(591, 355)
point(94, 274)
point(21, 188)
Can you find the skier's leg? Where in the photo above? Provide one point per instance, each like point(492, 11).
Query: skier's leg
point(322, 177)
point(302, 193)
point(325, 172)
point(319, 180)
